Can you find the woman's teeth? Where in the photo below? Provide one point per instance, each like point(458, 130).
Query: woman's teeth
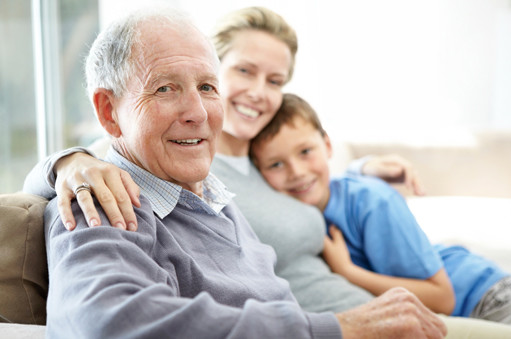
point(249, 112)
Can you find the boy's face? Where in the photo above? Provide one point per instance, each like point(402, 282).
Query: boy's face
point(295, 162)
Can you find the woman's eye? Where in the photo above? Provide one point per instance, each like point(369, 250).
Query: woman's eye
point(163, 89)
point(245, 70)
point(279, 83)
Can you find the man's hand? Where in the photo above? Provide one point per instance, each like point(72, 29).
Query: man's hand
point(395, 314)
point(394, 168)
point(114, 188)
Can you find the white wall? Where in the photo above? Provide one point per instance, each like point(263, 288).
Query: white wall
point(375, 68)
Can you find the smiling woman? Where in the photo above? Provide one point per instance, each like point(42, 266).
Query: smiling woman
point(253, 74)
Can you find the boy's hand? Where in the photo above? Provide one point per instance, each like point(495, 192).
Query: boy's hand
point(394, 168)
point(335, 252)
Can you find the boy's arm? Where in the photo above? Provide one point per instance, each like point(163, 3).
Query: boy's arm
point(435, 292)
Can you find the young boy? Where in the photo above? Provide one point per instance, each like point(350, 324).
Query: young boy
point(376, 242)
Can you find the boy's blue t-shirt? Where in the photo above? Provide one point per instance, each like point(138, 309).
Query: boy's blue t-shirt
point(383, 236)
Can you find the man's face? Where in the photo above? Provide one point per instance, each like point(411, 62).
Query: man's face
point(295, 162)
point(171, 115)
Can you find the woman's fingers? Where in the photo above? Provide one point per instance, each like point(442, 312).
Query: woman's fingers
point(64, 207)
point(88, 208)
point(131, 187)
point(113, 188)
point(112, 194)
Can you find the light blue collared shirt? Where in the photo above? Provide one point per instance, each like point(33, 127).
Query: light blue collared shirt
point(164, 195)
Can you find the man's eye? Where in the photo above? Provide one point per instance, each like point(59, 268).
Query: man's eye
point(207, 88)
point(163, 89)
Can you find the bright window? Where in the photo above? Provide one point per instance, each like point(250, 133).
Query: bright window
point(41, 82)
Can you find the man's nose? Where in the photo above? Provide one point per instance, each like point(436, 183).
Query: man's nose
point(193, 109)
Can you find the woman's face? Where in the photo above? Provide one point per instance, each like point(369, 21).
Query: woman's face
point(252, 74)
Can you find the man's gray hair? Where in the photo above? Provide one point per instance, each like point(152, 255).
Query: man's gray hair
point(109, 64)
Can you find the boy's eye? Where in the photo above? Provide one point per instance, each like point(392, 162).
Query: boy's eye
point(306, 151)
point(275, 165)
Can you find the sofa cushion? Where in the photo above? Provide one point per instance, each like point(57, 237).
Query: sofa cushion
point(23, 267)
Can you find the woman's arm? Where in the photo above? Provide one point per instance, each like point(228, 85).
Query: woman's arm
point(60, 174)
point(41, 179)
point(436, 292)
point(114, 188)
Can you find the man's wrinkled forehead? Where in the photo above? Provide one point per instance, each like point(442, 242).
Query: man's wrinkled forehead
point(174, 38)
point(164, 47)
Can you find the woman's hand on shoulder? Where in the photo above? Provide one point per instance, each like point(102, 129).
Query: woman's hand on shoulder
point(114, 188)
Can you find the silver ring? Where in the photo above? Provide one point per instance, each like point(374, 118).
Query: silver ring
point(84, 186)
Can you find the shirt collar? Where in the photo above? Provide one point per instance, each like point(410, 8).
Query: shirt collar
point(164, 195)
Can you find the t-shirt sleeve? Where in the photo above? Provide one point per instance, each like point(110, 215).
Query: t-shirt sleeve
point(355, 166)
point(393, 240)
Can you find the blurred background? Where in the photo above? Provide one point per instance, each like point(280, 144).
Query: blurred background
point(421, 72)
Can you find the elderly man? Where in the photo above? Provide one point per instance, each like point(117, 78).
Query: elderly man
point(194, 268)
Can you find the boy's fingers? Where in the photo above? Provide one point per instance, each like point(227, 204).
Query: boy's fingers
point(335, 232)
point(418, 188)
point(391, 171)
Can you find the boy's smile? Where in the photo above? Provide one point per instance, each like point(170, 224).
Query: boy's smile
point(295, 162)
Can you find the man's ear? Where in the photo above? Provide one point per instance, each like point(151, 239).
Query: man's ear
point(104, 104)
point(328, 145)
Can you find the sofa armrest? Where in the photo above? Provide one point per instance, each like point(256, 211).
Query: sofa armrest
point(23, 267)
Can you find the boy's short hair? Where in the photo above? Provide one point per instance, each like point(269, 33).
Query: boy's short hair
point(292, 106)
